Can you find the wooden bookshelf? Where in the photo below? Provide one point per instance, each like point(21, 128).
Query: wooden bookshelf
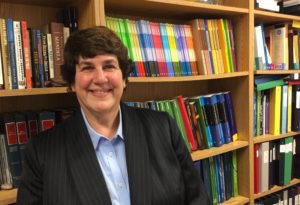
point(202, 154)
point(276, 189)
point(8, 196)
point(93, 12)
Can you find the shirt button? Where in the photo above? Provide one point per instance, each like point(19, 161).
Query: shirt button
point(110, 154)
point(120, 184)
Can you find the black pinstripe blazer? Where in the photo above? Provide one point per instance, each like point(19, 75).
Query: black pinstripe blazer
point(61, 166)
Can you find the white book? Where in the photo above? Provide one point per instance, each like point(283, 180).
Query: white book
point(50, 55)
point(19, 55)
point(1, 71)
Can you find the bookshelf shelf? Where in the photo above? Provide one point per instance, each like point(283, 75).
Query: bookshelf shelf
point(272, 17)
point(276, 189)
point(238, 200)
point(202, 154)
point(186, 78)
point(266, 138)
point(272, 72)
point(8, 196)
point(33, 91)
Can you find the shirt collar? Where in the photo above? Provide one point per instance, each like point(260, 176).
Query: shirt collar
point(95, 136)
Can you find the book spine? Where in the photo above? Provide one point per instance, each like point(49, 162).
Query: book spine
point(11, 53)
point(19, 55)
point(26, 54)
point(5, 55)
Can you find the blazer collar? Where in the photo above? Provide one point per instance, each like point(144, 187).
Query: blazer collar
point(84, 167)
point(137, 157)
point(87, 174)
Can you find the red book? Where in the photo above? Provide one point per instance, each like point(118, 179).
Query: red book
point(26, 53)
point(159, 50)
point(256, 171)
point(187, 124)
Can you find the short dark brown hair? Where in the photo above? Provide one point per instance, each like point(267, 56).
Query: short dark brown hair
point(90, 42)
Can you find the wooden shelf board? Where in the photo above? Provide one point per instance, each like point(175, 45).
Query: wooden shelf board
point(50, 3)
point(172, 9)
point(238, 200)
point(276, 189)
point(8, 196)
point(273, 17)
point(33, 91)
point(265, 138)
point(202, 154)
point(185, 78)
point(270, 72)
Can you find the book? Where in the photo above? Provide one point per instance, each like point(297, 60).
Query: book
point(56, 30)
point(231, 115)
point(263, 166)
point(275, 110)
point(296, 108)
point(5, 55)
point(186, 123)
point(8, 127)
point(11, 53)
point(46, 120)
point(211, 110)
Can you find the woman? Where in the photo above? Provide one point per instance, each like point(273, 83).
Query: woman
point(107, 153)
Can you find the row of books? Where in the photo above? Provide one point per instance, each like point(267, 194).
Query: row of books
point(276, 163)
point(204, 121)
point(219, 174)
point(204, 46)
point(289, 196)
point(15, 130)
point(276, 47)
point(276, 105)
point(31, 57)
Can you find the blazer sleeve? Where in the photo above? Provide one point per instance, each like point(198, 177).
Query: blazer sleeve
point(195, 192)
point(31, 188)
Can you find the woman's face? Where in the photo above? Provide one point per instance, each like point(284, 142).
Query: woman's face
point(99, 84)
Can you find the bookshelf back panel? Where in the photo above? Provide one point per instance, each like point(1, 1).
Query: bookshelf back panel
point(34, 15)
point(37, 102)
point(175, 9)
point(162, 91)
point(244, 178)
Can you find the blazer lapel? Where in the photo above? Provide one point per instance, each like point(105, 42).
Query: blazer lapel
point(83, 164)
point(137, 157)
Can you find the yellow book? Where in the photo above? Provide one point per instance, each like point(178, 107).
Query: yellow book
point(289, 117)
point(275, 110)
point(217, 44)
point(213, 45)
point(295, 52)
point(223, 45)
point(173, 49)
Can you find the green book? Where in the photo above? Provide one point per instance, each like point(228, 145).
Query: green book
point(288, 160)
point(235, 190)
point(269, 84)
point(258, 113)
point(179, 121)
point(228, 46)
point(214, 192)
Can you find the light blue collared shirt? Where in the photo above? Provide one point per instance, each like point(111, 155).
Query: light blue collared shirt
point(112, 160)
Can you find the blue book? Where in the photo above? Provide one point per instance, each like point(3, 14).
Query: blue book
point(185, 50)
point(231, 115)
point(40, 57)
point(218, 185)
point(167, 52)
point(208, 47)
point(143, 48)
point(284, 108)
point(202, 111)
point(227, 162)
point(207, 178)
point(221, 177)
point(11, 53)
point(223, 117)
point(180, 50)
point(213, 119)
